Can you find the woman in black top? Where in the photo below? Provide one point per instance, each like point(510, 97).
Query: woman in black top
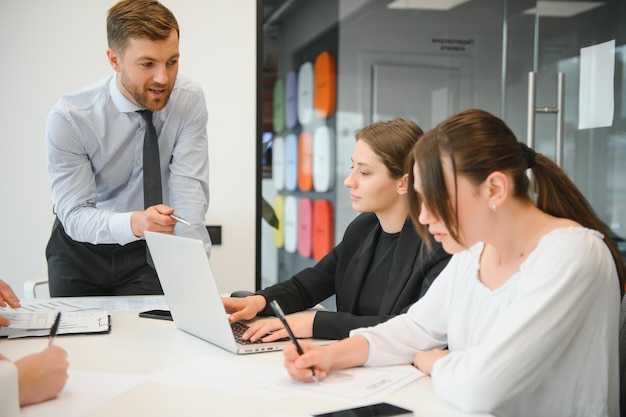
point(380, 267)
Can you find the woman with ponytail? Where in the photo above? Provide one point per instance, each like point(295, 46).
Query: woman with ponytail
point(524, 319)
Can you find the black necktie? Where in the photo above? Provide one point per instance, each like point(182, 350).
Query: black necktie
point(152, 192)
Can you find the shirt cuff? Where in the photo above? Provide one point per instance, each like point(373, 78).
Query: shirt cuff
point(120, 228)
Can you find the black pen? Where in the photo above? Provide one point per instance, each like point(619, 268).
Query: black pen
point(54, 328)
point(281, 316)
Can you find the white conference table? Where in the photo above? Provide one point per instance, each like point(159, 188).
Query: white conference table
point(139, 347)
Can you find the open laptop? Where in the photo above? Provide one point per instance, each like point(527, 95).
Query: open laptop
point(192, 294)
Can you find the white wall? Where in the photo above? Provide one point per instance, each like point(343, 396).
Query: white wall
point(51, 47)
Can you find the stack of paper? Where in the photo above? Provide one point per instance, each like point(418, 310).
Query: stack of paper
point(25, 323)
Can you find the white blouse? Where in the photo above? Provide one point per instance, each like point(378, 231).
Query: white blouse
point(543, 344)
point(9, 399)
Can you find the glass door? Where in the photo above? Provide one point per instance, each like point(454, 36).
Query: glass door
point(419, 60)
point(424, 61)
point(569, 56)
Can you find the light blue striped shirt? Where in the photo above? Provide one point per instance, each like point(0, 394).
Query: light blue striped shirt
point(94, 143)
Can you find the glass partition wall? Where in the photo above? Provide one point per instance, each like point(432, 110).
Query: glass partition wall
point(553, 70)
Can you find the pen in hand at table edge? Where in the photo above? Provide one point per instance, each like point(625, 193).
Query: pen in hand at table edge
point(54, 328)
point(281, 316)
point(180, 219)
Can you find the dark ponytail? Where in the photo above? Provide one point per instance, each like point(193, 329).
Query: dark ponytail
point(558, 196)
point(478, 143)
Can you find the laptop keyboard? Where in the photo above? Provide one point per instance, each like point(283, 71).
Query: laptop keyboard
point(238, 330)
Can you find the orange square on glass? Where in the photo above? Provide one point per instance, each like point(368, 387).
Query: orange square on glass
point(305, 161)
point(325, 85)
point(323, 228)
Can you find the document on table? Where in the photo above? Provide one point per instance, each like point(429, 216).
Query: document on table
point(86, 391)
point(358, 383)
point(264, 380)
point(26, 323)
point(113, 303)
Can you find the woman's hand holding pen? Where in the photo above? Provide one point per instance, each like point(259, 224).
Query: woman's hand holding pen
point(346, 353)
point(41, 376)
point(301, 367)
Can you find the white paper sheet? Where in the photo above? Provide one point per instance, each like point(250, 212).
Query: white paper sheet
point(28, 323)
point(118, 303)
point(235, 377)
point(86, 391)
point(83, 392)
point(357, 383)
point(596, 98)
point(273, 381)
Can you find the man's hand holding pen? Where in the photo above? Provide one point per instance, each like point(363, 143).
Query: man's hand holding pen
point(159, 218)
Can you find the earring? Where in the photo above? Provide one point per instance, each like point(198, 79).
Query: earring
point(494, 208)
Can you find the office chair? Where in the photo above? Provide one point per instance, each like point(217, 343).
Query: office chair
point(30, 287)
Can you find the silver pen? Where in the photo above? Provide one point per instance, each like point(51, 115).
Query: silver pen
point(180, 219)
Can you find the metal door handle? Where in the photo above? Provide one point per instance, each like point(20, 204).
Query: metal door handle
point(558, 110)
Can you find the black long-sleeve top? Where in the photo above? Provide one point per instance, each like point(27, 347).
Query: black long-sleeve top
point(342, 271)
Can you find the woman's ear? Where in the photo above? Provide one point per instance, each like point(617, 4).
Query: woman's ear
point(403, 184)
point(496, 188)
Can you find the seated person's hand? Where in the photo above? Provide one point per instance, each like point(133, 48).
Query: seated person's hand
point(299, 366)
point(41, 376)
point(301, 325)
point(243, 308)
point(7, 298)
point(424, 361)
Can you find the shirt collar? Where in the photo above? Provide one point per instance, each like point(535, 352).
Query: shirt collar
point(123, 104)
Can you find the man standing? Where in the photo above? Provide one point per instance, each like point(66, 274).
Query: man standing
point(123, 155)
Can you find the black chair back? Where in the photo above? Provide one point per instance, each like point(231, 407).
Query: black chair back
point(622, 357)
